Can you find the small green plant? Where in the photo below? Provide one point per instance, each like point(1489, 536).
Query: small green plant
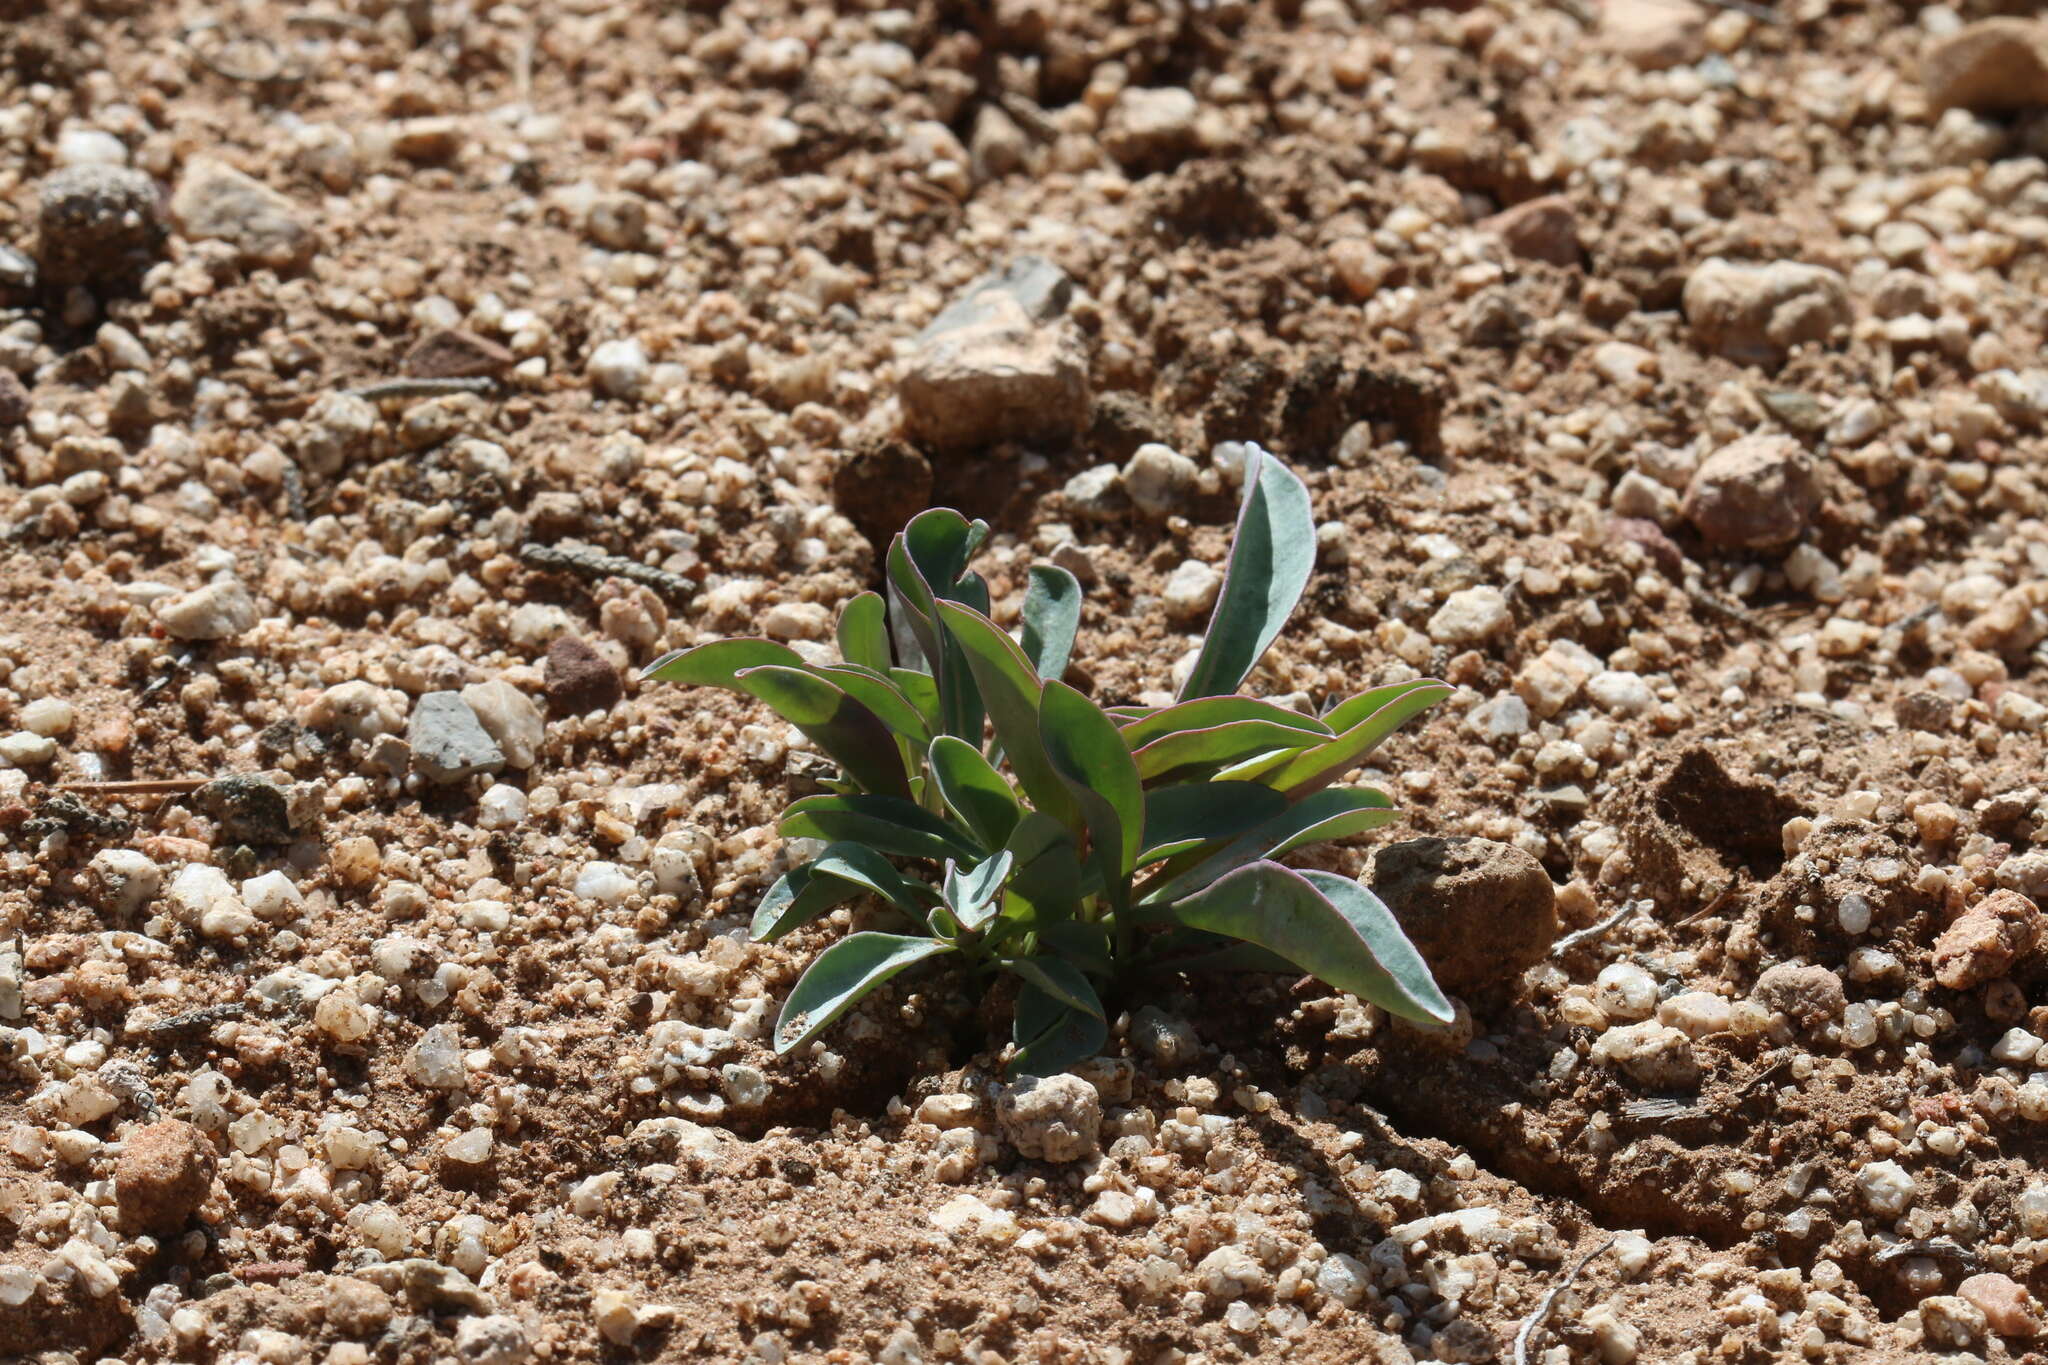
point(1072, 844)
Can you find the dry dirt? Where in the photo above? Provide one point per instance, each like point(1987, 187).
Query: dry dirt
point(473, 1069)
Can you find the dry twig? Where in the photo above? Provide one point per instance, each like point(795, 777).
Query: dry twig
point(1534, 1322)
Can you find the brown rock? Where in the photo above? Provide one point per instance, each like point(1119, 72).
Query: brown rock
point(1544, 229)
point(164, 1174)
point(452, 353)
point(1928, 711)
point(1654, 34)
point(1752, 494)
point(1001, 363)
point(1755, 313)
point(1481, 913)
point(357, 1308)
point(2007, 1307)
point(578, 679)
point(1995, 65)
point(13, 401)
point(64, 1315)
point(1810, 995)
point(1987, 940)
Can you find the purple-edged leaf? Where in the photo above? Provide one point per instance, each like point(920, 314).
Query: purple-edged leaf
point(926, 565)
point(853, 735)
point(1328, 926)
point(840, 976)
point(1205, 713)
point(881, 696)
point(1186, 753)
point(1060, 979)
point(1191, 814)
point(1013, 694)
point(1052, 614)
point(864, 632)
point(719, 663)
point(1052, 1035)
point(1335, 813)
point(973, 790)
point(843, 871)
point(1086, 751)
point(1310, 769)
point(886, 824)
point(1270, 562)
point(975, 895)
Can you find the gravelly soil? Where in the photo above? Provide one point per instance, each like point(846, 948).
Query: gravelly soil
point(1670, 379)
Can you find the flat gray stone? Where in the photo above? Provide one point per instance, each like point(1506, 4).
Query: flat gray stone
point(448, 742)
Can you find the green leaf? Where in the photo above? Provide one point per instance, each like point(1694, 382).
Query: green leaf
point(1045, 877)
point(844, 870)
point(882, 696)
point(864, 632)
point(921, 690)
point(1086, 751)
point(1192, 950)
point(973, 790)
point(1270, 562)
point(719, 663)
point(1084, 943)
point(1206, 713)
point(1318, 767)
point(853, 735)
point(1013, 694)
point(1352, 710)
point(840, 976)
point(1335, 813)
point(925, 565)
point(973, 895)
point(1060, 979)
point(1191, 814)
point(1328, 926)
point(1186, 753)
point(1052, 1035)
point(1052, 614)
point(886, 824)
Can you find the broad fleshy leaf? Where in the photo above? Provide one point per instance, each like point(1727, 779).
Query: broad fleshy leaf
point(1335, 813)
point(719, 663)
point(887, 824)
point(840, 976)
point(1205, 713)
point(1052, 1035)
point(1310, 769)
point(1190, 753)
point(1052, 614)
point(1270, 561)
point(854, 736)
point(1191, 814)
point(1086, 751)
point(882, 696)
point(1060, 979)
point(864, 632)
point(974, 790)
point(1045, 876)
point(1013, 694)
point(973, 895)
point(1329, 926)
point(843, 871)
point(925, 566)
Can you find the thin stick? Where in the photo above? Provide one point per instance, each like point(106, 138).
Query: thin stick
point(420, 388)
point(148, 786)
point(1591, 931)
point(1532, 1323)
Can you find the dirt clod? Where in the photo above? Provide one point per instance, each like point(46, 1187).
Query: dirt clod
point(163, 1176)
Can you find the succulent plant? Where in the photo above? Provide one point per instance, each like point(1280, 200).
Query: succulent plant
point(1069, 844)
